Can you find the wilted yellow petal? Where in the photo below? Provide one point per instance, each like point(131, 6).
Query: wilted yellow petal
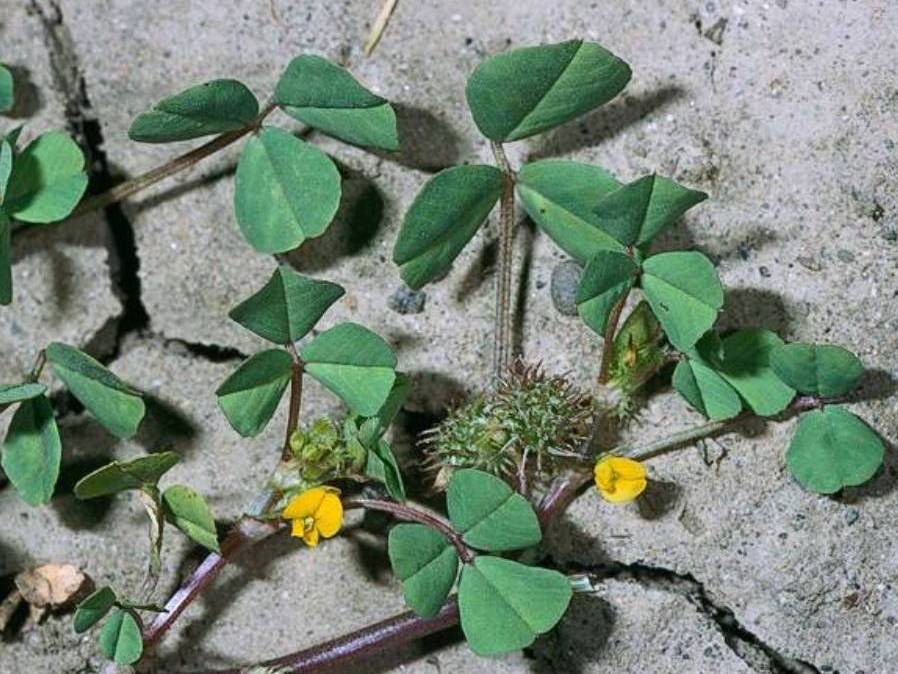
point(619, 480)
point(329, 515)
point(311, 537)
point(305, 504)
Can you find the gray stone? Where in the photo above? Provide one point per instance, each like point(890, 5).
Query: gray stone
point(566, 277)
point(407, 301)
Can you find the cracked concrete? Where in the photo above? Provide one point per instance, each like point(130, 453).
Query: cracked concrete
point(784, 111)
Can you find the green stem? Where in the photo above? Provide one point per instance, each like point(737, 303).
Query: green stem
point(505, 261)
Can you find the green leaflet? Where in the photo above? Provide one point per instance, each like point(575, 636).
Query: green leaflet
point(817, 369)
point(636, 213)
point(188, 511)
point(684, 293)
point(286, 191)
point(93, 609)
point(425, 563)
point(525, 91)
point(7, 155)
point(442, 219)
point(203, 110)
point(139, 473)
point(120, 638)
point(560, 197)
point(47, 180)
point(746, 367)
point(488, 514)
point(110, 400)
point(14, 393)
point(286, 307)
point(325, 96)
point(381, 465)
point(606, 281)
point(32, 451)
point(250, 395)
point(832, 449)
point(505, 605)
point(706, 390)
point(7, 89)
point(355, 364)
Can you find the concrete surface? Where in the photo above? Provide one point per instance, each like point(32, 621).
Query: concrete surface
point(784, 111)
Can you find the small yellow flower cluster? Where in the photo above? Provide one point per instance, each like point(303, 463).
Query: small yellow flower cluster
point(315, 512)
point(619, 480)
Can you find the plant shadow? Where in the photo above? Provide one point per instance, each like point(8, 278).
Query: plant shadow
point(27, 97)
point(576, 644)
point(427, 143)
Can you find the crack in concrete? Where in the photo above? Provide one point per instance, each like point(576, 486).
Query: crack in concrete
point(749, 647)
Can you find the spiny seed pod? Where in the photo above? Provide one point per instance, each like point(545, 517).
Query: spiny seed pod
point(531, 417)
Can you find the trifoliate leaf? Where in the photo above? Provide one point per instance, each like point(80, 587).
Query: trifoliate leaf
point(250, 395)
point(746, 367)
point(139, 473)
point(286, 191)
point(110, 400)
point(398, 394)
point(817, 369)
point(93, 609)
point(188, 511)
point(355, 364)
point(560, 197)
point(706, 390)
point(206, 109)
point(286, 307)
point(606, 281)
point(525, 91)
point(32, 451)
point(47, 180)
point(426, 564)
point(7, 89)
point(325, 96)
point(489, 514)
point(120, 639)
point(636, 213)
point(442, 219)
point(684, 293)
point(505, 605)
point(832, 449)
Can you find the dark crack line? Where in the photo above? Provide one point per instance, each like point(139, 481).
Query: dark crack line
point(84, 125)
point(213, 353)
point(756, 653)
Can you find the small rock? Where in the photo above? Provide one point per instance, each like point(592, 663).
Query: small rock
point(565, 279)
point(809, 263)
point(851, 516)
point(407, 301)
point(845, 255)
point(764, 271)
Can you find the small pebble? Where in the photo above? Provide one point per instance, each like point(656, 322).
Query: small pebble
point(851, 516)
point(845, 255)
point(565, 279)
point(407, 301)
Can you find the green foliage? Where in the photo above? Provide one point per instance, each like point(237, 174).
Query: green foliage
point(120, 639)
point(355, 364)
point(93, 609)
point(7, 89)
point(706, 390)
point(488, 514)
point(817, 369)
point(140, 473)
point(7, 155)
point(526, 91)
point(206, 109)
point(286, 307)
point(684, 293)
point(110, 400)
point(325, 96)
point(636, 213)
point(606, 281)
point(15, 393)
point(426, 564)
point(188, 511)
point(286, 191)
point(832, 449)
point(47, 180)
point(32, 451)
point(505, 605)
point(381, 465)
point(444, 216)
point(5, 260)
point(746, 367)
point(637, 355)
point(560, 197)
point(250, 395)
point(325, 450)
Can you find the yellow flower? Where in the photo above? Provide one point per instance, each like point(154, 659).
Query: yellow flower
point(315, 512)
point(618, 479)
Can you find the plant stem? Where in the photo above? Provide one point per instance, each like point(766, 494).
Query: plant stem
point(38, 366)
point(295, 399)
point(503, 323)
point(608, 346)
point(184, 161)
point(410, 513)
